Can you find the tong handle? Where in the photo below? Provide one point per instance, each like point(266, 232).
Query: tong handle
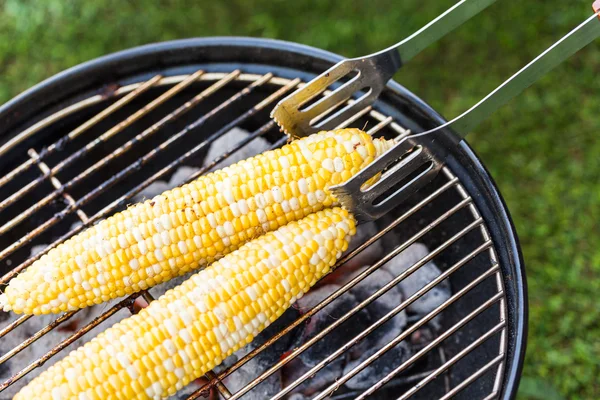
point(568, 45)
point(372, 202)
point(435, 29)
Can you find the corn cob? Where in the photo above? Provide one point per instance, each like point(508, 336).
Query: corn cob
point(193, 225)
point(193, 327)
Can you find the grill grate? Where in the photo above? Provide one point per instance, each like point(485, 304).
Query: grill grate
point(58, 192)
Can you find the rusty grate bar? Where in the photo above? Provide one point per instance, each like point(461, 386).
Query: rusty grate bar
point(447, 364)
point(57, 185)
point(124, 173)
point(84, 218)
point(219, 385)
point(129, 144)
point(36, 336)
point(138, 164)
point(133, 167)
point(222, 389)
point(99, 140)
point(13, 325)
point(83, 127)
point(40, 361)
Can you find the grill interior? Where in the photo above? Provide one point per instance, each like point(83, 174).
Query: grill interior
point(93, 155)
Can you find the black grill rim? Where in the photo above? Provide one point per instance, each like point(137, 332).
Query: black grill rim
point(279, 56)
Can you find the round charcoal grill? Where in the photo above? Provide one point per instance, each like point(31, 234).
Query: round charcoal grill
point(81, 145)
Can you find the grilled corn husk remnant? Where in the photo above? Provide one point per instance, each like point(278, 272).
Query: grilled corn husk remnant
point(193, 327)
point(193, 225)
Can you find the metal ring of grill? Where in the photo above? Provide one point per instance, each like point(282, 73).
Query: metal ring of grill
point(49, 188)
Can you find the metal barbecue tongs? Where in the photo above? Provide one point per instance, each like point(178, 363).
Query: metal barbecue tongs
point(419, 166)
point(298, 119)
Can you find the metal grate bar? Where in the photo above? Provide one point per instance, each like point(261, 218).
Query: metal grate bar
point(134, 117)
point(57, 185)
point(138, 164)
point(380, 126)
point(219, 385)
point(444, 367)
point(340, 381)
point(101, 139)
point(341, 291)
point(127, 171)
point(84, 218)
point(447, 333)
point(327, 360)
point(462, 385)
point(83, 127)
point(380, 122)
point(128, 145)
point(40, 361)
point(36, 336)
point(279, 143)
point(355, 117)
point(238, 146)
point(494, 395)
point(334, 295)
point(13, 325)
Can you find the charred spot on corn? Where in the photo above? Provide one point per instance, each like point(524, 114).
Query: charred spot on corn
point(191, 226)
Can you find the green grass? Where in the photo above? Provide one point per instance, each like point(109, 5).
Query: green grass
point(542, 149)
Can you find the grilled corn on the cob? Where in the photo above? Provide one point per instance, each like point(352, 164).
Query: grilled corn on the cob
point(192, 225)
point(193, 327)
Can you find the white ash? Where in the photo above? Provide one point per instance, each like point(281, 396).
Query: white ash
point(324, 318)
point(319, 381)
point(38, 248)
point(44, 344)
point(261, 361)
point(217, 148)
point(369, 315)
point(230, 140)
point(296, 396)
point(379, 368)
point(51, 339)
point(180, 176)
point(379, 308)
point(418, 279)
point(368, 256)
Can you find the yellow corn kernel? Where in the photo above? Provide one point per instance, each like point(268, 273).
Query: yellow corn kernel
point(217, 212)
point(154, 352)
